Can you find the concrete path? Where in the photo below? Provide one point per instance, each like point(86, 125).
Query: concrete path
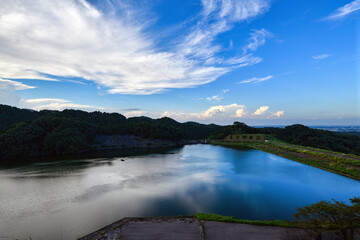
point(181, 228)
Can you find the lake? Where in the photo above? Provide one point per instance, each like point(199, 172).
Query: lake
point(69, 199)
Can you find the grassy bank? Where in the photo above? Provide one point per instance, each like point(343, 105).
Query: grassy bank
point(219, 218)
point(344, 164)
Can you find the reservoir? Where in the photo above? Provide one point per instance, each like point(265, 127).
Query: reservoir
point(70, 198)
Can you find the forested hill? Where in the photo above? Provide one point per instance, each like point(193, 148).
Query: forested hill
point(300, 135)
point(25, 133)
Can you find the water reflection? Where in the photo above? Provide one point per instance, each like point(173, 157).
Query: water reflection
point(72, 198)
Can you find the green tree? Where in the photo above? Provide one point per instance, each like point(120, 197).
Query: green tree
point(335, 215)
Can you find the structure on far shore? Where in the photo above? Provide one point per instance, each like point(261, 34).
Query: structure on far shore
point(246, 138)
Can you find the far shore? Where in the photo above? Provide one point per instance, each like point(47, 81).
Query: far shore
point(347, 165)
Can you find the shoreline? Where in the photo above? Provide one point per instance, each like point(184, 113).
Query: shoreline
point(309, 156)
point(140, 145)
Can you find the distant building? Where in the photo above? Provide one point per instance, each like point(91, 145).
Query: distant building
point(246, 138)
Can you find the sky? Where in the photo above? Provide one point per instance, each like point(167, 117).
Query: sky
point(262, 62)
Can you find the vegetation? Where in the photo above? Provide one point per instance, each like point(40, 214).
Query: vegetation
point(343, 164)
point(246, 138)
point(236, 128)
point(27, 133)
point(334, 215)
point(45, 137)
point(300, 135)
point(276, 141)
point(219, 218)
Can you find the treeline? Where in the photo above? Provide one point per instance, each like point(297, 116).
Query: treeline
point(300, 135)
point(27, 133)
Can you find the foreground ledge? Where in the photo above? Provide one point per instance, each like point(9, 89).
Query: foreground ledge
point(179, 228)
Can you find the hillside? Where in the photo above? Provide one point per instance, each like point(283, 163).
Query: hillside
point(27, 133)
point(300, 135)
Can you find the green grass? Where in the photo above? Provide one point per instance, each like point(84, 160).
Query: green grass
point(316, 149)
point(219, 218)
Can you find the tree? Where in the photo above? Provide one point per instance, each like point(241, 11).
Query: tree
point(336, 215)
point(315, 217)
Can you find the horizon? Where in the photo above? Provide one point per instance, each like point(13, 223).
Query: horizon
point(274, 125)
point(261, 62)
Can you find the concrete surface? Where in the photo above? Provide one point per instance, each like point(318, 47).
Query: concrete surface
point(179, 228)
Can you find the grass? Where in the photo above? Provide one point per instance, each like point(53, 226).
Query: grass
point(276, 141)
point(319, 158)
point(219, 218)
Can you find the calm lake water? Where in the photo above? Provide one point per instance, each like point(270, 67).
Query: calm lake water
point(69, 199)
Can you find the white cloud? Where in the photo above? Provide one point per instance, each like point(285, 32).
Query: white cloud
point(44, 100)
point(224, 112)
point(278, 114)
point(240, 113)
point(134, 113)
point(9, 84)
point(218, 97)
point(257, 39)
point(8, 90)
point(9, 97)
point(72, 38)
point(216, 111)
point(234, 10)
point(242, 61)
point(235, 62)
point(256, 79)
point(53, 104)
point(261, 111)
point(218, 17)
point(345, 10)
point(76, 81)
point(321, 56)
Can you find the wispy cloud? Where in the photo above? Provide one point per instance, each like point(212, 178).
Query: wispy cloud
point(14, 85)
point(78, 82)
point(256, 79)
point(321, 56)
point(71, 38)
point(218, 16)
point(131, 109)
point(54, 104)
point(345, 10)
point(218, 97)
point(257, 39)
point(233, 10)
point(242, 61)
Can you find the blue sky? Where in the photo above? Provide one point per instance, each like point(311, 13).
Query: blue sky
point(261, 62)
